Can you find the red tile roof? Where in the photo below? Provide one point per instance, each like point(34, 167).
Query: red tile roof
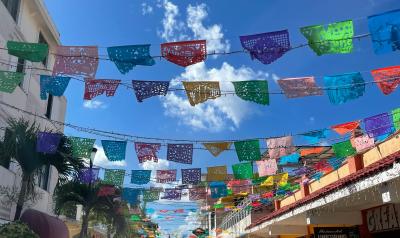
point(352, 178)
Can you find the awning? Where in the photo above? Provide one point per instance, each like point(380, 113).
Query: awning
point(45, 225)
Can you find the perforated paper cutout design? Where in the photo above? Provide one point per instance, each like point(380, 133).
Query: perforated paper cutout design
point(166, 176)
point(114, 150)
point(253, 90)
point(248, 150)
point(47, 142)
point(243, 170)
point(148, 89)
point(128, 56)
point(184, 53)
point(267, 167)
point(147, 151)
point(387, 78)
point(76, 60)
point(180, 153)
point(114, 176)
point(266, 47)
point(199, 92)
point(81, 147)
point(140, 176)
point(197, 193)
point(385, 31)
point(299, 87)
point(34, 52)
point(9, 81)
point(218, 147)
point(278, 147)
point(344, 87)
point(378, 125)
point(96, 87)
point(191, 176)
point(54, 85)
point(217, 173)
point(172, 194)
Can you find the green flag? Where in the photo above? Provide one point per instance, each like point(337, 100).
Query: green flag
point(243, 170)
point(396, 118)
point(337, 38)
point(343, 149)
point(253, 90)
point(81, 147)
point(9, 81)
point(248, 150)
point(35, 52)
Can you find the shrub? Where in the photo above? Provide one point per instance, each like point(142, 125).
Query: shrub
point(16, 230)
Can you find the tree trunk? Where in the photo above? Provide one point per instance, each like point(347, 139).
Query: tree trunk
point(85, 225)
point(109, 231)
point(21, 197)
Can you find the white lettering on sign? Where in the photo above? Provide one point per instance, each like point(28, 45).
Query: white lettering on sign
point(383, 218)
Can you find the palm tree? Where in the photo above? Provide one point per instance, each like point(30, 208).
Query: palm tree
point(76, 193)
point(20, 145)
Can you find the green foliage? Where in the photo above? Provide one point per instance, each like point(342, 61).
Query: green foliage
point(16, 230)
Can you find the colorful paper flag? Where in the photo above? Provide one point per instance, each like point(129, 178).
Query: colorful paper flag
point(267, 167)
point(114, 150)
point(9, 81)
point(385, 31)
point(197, 193)
point(387, 78)
point(131, 195)
point(378, 125)
point(48, 142)
point(217, 173)
point(106, 191)
point(344, 87)
point(34, 52)
point(289, 159)
point(239, 186)
point(151, 195)
point(343, 149)
point(54, 85)
point(172, 194)
point(180, 153)
point(140, 176)
point(166, 176)
point(243, 170)
point(88, 175)
point(218, 147)
point(218, 190)
point(299, 87)
point(96, 87)
point(81, 147)
point(345, 128)
point(314, 137)
point(336, 163)
point(336, 38)
point(396, 118)
point(184, 53)
point(278, 147)
point(76, 60)
point(128, 56)
point(266, 47)
point(248, 150)
point(114, 177)
point(201, 91)
point(253, 90)
point(362, 143)
point(148, 89)
point(310, 151)
point(147, 151)
point(191, 176)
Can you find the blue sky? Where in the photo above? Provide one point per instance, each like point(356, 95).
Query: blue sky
point(123, 22)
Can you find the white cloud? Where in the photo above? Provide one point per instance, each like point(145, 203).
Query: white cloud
point(171, 26)
point(213, 34)
point(176, 30)
point(146, 9)
point(192, 221)
point(94, 104)
point(101, 159)
point(153, 166)
point(214, 115)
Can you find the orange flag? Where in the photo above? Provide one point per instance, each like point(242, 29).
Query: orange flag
point(312, 150)
point(345, 128)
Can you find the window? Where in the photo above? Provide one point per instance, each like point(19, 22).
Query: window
point(43, 41)
point(49, 106)
point(43, 177)
point(21, 69)
point(12, 7)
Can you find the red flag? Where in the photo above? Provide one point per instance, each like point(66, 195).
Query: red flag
point(184, 53)
point(387, 78)
point(345, 128)
point(95, 87)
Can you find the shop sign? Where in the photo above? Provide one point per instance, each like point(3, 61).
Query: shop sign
point(336, 232)
point(382, 218)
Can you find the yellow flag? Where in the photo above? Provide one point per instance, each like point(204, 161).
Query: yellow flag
point(268, 182)
point(284, 179)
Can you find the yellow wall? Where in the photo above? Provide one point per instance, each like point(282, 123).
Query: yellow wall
point(371, 156)
point(329, 178)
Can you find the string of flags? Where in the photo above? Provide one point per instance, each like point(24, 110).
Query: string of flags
point(335, 38)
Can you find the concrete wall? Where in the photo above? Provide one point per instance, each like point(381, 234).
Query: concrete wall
point(32, 19)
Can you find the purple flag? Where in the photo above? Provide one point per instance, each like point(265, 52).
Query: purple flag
point(172, 194)
point(378, 125)
point(148, 89)
point(180, 153)
point(88, 175)
point(267, 47)
point(47, 142)
point(191, 176)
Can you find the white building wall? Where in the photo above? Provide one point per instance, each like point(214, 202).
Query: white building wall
point(32, 19)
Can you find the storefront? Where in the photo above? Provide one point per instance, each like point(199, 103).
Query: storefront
point(382, 221)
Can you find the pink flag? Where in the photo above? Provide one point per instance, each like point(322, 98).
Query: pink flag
point(267, 167)
point(76, 60)
point(299, 87)
point(362, 143)
point(278, 147)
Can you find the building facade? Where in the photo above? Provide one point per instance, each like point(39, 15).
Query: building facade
point(359, 199)
point(28, 21)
